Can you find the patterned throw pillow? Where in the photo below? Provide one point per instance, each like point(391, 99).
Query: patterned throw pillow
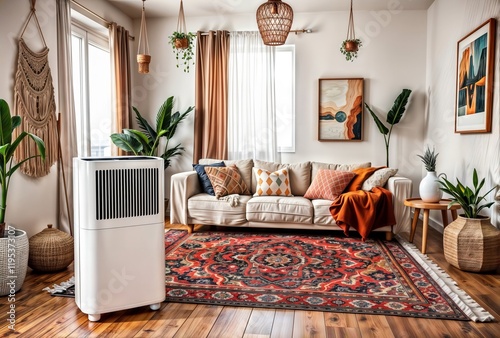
point(203, 177)
point(378, 178)
point(329, 184)
point(272, 183)
point(362, 175)
point(226, 181)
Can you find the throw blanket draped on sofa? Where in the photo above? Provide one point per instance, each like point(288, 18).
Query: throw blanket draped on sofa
point(363, 210)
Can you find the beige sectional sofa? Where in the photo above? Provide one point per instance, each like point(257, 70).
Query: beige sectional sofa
point(189, 205)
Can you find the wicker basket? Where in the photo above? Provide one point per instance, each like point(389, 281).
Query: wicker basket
point(20, 240)
point(472, 244)
point(50, 250)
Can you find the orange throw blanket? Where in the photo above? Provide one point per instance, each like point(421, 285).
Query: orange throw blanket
point(363, 210)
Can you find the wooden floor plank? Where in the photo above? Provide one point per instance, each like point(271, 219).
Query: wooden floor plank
point(231, 322)
point(374, 326)
point(283, 324)
point(167, 321)
point(200, 321)
point(309, 324)
point(260, 323)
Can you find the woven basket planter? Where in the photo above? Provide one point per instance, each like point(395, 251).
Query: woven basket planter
point(17, 271)
point(472, 244)
point(51, 250)
point(143, 61)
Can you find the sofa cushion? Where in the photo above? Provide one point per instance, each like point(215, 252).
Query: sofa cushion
point(203, 177)
point(329, 184)
point(244, 167)
point(362, 175)
point(379, 178)
point(299, 173)
point(315, 166)
point(322, 213)
point(226, 181)
point(207, 209)
point(280, 209)
point(274, 183)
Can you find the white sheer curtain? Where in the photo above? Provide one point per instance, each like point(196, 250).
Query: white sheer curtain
point(66, 118)
point(251, 102)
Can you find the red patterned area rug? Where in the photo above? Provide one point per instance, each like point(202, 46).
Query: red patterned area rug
point(311, 272)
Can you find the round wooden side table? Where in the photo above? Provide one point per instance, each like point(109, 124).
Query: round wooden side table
point(418, 204)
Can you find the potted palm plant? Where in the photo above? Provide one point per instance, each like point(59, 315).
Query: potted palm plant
point(429, 186)
point(393, 117)
point(147, 140)
point(470, 242)
point(13, 242)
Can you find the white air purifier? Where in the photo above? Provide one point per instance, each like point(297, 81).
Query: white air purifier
point(119, 233)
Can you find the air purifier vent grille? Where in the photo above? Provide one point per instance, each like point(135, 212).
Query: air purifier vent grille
point(124, 193)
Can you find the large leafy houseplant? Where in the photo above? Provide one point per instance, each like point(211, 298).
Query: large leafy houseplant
point(469, 199)
point(8, 146)
point(147, 140)
point(393, 117)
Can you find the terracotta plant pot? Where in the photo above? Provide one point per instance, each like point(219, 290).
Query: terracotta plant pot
point(143, 60)
point(472, 244)
point(181, 43)
point(351, 46)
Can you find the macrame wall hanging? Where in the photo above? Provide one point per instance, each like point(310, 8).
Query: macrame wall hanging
point(34, 102)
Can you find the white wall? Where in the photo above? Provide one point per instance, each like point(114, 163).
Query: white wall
point(392, 58)
point(448, 21)
point(32, 203)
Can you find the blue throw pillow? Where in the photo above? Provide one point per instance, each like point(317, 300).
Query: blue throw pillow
point(203, 177)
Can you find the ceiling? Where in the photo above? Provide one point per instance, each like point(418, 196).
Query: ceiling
point(170, 8)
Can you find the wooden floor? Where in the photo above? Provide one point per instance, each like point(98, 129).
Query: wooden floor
point(40, 315)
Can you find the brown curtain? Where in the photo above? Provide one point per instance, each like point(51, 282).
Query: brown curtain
point(120, 66)
point(210, 122)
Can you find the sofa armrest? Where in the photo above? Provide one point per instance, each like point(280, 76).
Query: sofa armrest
point(401, 189)
point(182, 187)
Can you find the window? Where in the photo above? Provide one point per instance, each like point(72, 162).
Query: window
point(285, 97)
point(92, 91)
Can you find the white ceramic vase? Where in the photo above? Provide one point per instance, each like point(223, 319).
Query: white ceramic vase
point(429, 188)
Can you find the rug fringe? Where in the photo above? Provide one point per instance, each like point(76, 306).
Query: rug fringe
point(465, 302)
point(61, 287)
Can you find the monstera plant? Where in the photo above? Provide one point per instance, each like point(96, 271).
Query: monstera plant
point(147, 140)
point(8, 146)
point(393, 117)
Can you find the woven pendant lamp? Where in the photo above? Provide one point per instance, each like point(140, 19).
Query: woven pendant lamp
point(274, 19)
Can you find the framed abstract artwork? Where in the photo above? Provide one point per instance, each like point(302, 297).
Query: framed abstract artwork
point(474, 90)
point(340, 116)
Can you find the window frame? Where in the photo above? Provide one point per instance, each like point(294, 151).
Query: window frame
point(88, 36)
point(290, 48)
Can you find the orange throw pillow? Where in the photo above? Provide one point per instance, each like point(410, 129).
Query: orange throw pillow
point(328, 184)
point(362, 174)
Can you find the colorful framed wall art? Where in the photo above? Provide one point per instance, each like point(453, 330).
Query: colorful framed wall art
point(340, 116)
point(474, 85)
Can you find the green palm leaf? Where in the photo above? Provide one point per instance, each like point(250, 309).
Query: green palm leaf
point(396, 113)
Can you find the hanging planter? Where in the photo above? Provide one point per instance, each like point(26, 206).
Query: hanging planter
point(182, 42)
point(143, 57)
point(350, 45)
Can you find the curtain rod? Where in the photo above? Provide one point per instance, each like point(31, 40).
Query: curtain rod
point(296, 31)
point(107, 23)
